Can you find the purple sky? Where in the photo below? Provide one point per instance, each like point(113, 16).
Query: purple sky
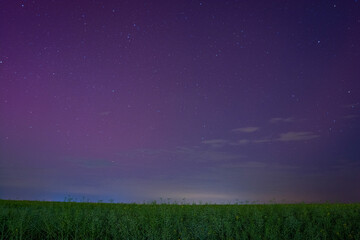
point(205, 100)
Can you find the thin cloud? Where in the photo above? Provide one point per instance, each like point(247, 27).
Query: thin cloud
point(185, 154)
point(280, 120)
point(344, 164)
point(263, 140)
point(283, 137)
point(258, 164)
point(215, 142)
point(213, 156)
point(351, 106)
point(240, 142)
point(247, 164)
point(351, 116)
point(91, 163)
point(296, 136)
point(246, 129)
point(104, 113)
point(284, 167)
point(96, 163)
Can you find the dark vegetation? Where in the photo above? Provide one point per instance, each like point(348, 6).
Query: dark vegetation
point(72, 220)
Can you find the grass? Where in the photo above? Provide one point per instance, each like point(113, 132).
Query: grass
point(72, 220)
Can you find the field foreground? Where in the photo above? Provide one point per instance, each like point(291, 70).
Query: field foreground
point(71, 220)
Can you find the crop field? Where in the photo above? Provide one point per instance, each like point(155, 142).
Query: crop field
point(72, 220)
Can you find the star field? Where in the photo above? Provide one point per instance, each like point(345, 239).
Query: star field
point(205, 100)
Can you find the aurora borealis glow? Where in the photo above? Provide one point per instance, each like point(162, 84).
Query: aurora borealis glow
point(203, 100)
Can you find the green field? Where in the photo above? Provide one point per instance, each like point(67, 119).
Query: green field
point(71, 220)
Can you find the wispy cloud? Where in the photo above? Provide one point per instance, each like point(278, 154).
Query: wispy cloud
point(246, 129)
point(279, 120)
point(212, 156)
point(240, 142)
point(296, 136)
point(215, 142)
point(246, 164)
point(263, 140)
point(350, 116)
point(91, 163)
point(258, 164)
point(346, 164)
point(278, 166)
point(194, 154)
point(351, 106)
point(283, 137)
point(104, 113)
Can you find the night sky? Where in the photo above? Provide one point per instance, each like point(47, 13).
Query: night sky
point(211, 101)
